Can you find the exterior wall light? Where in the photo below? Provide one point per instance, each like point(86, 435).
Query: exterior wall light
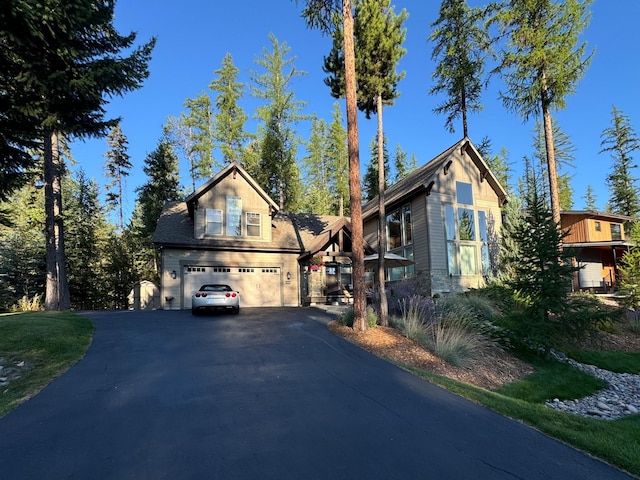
point(174, 274)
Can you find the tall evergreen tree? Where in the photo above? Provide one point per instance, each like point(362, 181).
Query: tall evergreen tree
point(542, 63)
point(86, 234)
point(178, 134)
point(339, 158)
point(370, 184)
point(323, 14)
point(542, 275)
point(564, 151)
point(198, 121)
point(71, 62)
point(163, 184)
point(317, 166)
point(403, 166)
point(378, 36)
point(117, 166)
point(279, 172)
point(590, 199)
point(621, 141)
point(229, 119)
point(22, 247)
point(460, 49)
point(498, 163)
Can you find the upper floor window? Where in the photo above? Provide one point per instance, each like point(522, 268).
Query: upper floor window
point(234, 216)
point(400, 240)
point(254, 223)
point(616, 231)
point(598, 226)
point(214, 221)
point(464, 193)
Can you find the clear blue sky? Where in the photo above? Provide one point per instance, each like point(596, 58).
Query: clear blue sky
point(194, 36)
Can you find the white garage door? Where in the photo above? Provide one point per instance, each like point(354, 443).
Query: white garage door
point(258, 286)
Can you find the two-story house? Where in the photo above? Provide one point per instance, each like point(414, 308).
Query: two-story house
point(444, 217)
point(599, 242)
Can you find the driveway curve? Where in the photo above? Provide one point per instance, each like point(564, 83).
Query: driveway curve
point(267, 394)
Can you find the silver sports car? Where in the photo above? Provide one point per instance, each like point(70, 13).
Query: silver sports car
point(215, 297)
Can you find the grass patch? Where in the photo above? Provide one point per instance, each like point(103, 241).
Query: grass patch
point(551, 379)
point(619, 362)
point(616, 442)
point(37, 347)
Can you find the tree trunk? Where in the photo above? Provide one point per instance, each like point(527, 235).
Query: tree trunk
point(51, 282)
point(551, 155)
point(56, 287)
point(382, 221)
point(355, 194)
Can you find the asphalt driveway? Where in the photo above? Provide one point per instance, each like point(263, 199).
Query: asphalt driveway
point(267, 394)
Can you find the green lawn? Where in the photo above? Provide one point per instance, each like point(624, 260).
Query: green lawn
point(38, 346)
point(616, 442)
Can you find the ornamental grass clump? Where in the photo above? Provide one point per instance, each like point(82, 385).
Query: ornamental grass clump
point(415, 313)
point(462, 329)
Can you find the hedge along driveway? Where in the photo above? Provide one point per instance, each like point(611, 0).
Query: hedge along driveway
point(270, 393)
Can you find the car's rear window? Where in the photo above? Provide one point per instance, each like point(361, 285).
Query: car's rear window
point(215, 288)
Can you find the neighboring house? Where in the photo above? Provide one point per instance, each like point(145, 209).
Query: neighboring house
point(444, 216)
point(599, 241)
point(229, 231)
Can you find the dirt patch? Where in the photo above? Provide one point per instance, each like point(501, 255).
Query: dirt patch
point(492, 370)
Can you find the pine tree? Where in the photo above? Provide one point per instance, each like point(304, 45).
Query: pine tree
point(279, 172)
point(542, 63)
point(590, 199)
point(228, 123)
point(70, 59)
point(117, 166)
point(370, 181)
point(564, 151)
point(339, 158)
point(199, 125)
point(22, 247)
point(378, 36)
point(323, 14)
point(163, 184)
point(499, 164)
point(620, 140)
point(317, 190)
point(460, 49)
point(542, 276)
point(86, 234)
point(403, 166)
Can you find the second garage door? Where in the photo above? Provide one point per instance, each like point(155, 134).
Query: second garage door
point(258, 286)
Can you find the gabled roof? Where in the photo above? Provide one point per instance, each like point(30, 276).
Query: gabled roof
point(232, 169)
point(422, 179)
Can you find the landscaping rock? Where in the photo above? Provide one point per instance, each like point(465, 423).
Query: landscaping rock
point(622, 398)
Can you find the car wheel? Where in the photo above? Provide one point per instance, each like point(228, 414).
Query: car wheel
point(236, 310)
point(194, 312)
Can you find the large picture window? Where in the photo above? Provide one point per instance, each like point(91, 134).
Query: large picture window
point(400, 241)
point(214, 221)
point(466, 235)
